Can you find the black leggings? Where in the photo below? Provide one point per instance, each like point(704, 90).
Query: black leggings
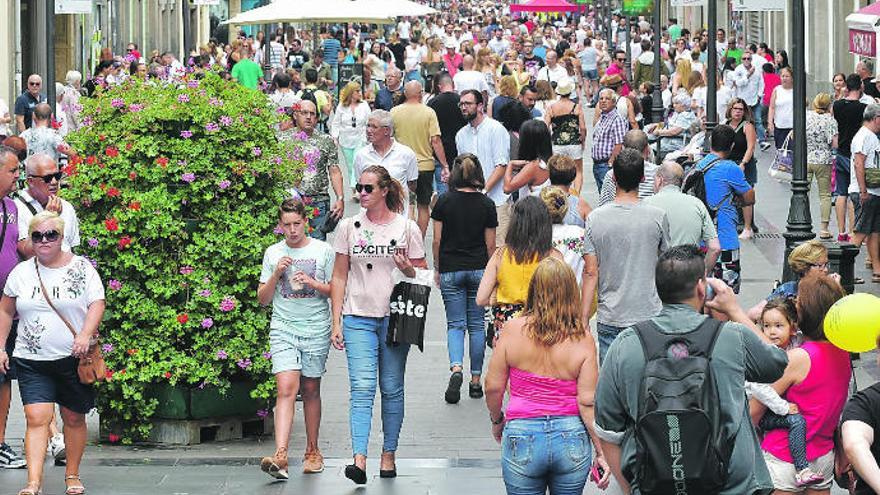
point(797, 435)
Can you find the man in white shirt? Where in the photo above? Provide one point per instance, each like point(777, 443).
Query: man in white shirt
point(749, 85)
point(44, 179)
point(490, 142)
point(403, 29)
point(498, 44)
point(552, 72)
point(468, 78)
point(384, 150)
point(866, 156)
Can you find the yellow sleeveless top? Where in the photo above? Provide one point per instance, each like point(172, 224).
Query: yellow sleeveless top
point(514, 278)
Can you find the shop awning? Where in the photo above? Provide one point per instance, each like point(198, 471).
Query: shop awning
point(864, 25)
point(544, 6)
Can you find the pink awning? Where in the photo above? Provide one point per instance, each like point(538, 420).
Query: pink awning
point(544, 6)
point(864, 25)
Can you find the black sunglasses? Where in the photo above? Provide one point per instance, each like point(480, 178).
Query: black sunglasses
point(49, 177)
point(48, 236)
point(364, 187)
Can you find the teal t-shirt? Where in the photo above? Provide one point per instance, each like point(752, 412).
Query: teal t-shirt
point(248, 73)
point(296, 308)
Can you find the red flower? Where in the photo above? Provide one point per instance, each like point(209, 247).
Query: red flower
point(114, 438)
point(108, 374)
point(75, 160)
point(122, 371)
point(134, 205)
point(69, 169)
point(132, 175)
point(182, 318)
point(124, 242)
point(162, 161)
point(91, 160)
point(128, 146)
point(113, 192)
point(111, 151)
point(56, 125)
point(316, 212)
point(111, 224)
point(167, 374)
point(102, 137)
point(132, 352)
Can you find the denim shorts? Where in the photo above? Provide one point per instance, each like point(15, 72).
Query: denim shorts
point(291, 352)
point(547, 452)
point(841, 176)
point(10, 347)
point(591, 74)
point(41, 382)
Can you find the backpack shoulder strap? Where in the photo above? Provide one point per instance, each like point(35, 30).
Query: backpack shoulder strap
point(710, 165)
point(652, 339)
point(704, 336)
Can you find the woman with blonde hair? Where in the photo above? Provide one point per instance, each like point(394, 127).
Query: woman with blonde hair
point(682, 76)
point(821, 140)
point(547, 361)
point(698, 91)
point(567, 239)
point(349, 125)
point(485, 64)
point(507, 93)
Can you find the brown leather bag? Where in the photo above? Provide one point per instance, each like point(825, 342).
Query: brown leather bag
point(91, 367)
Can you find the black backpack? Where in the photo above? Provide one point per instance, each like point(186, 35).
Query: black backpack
point(695, 185)
point(678, 449)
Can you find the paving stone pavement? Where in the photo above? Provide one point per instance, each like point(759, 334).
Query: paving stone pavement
point(444, 449)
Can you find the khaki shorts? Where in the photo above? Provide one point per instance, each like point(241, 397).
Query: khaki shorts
point(503, 213)
point(782, 473)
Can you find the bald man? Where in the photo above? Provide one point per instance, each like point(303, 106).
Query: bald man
point(468, 78)
point(43, 182)
point(416, 126)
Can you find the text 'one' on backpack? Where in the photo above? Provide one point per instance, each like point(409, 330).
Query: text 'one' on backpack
point(678, 449)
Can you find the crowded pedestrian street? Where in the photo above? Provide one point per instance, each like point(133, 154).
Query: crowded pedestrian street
point(440, 247)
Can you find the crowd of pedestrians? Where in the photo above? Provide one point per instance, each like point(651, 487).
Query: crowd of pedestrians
point(477, 122)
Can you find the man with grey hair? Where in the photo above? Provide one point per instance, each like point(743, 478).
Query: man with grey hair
point(42, 138)
point(676, 133)
point(418, 128)
point(608, 133)
point(43, 181)
point(382, 149)
point(9, 171)
point(865, 149)
point(689, 220)
point(391, 93)
point(27, 101)
point(635, 140)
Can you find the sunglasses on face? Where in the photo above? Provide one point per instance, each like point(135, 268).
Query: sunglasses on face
point(364, 187)
point(49, 177)
point(47, 236)
point(31, 83)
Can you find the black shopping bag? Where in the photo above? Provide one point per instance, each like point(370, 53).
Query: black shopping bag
point(409, 308)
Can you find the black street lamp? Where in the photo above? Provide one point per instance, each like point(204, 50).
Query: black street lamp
point(800, 225)
point(712, 69)
point(657, 95)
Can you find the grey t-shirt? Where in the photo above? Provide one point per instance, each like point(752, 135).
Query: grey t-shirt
point(627, 240)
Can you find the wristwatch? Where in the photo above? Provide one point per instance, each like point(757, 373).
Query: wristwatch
point(498, 421)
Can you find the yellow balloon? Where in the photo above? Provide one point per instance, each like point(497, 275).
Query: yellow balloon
point(853, 322)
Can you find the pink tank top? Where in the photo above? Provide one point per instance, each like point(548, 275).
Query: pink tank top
point(820, 398)
point(533, 396)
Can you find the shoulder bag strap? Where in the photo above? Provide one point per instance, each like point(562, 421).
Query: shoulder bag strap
point(25, 202)
point(49, 301)
point(5, 220)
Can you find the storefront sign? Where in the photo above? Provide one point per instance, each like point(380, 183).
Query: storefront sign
point(758, 5)
point(73, 6)
point(688, 3)
point(637, 7)
point(863, 43)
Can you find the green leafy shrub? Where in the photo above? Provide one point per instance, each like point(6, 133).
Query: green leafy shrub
point(177, 188)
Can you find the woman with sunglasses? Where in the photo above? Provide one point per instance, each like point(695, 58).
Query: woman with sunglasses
point(369, 246)
point(464, 237)
point(54, 331)
point(349, 125)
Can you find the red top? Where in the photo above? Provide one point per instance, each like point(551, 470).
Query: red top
point(771, 80)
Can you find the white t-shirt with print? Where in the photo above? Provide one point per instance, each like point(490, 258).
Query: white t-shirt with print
point(866, 143)
point(42, 335)
point(295, 307)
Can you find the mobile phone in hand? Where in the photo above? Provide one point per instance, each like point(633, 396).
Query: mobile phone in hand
point(596, 472)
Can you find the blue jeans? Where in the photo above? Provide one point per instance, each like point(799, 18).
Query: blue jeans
point(369, 355)
point(317, 222)
point(757, 115)
point(599, 171)
point(550, 452)
point(459, 290)
point(606, 334)
point(440, 186)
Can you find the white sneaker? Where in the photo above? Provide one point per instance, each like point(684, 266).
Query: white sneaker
point(57, 448)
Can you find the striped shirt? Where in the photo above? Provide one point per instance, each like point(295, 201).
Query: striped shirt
point(607, 134)
point(646, 187)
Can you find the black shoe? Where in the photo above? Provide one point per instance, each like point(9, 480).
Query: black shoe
point(475, 390)
point(453, 390)
point(755, 228)
point(356, 474)
point(388, 473)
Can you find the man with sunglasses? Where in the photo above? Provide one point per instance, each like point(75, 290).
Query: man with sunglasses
point(749, 85)
point(618, 68)
point(27, 101)
point(43, 181)
point(9, 171)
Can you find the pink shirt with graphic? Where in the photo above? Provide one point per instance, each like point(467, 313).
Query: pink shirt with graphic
point(370, 248)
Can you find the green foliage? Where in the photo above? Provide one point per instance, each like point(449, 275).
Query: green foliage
point(177, 191)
